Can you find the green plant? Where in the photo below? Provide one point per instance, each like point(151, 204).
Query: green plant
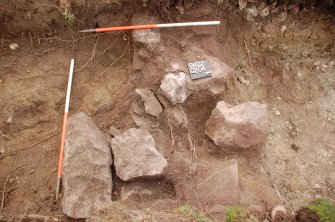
point(324, 208)
point(239, 214)
point(187, 210)
point(65, 7)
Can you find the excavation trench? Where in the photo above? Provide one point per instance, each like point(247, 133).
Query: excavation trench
point(284, 60)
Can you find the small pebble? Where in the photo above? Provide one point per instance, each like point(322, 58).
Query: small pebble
point(13, 46)
point(2, 151)
point(329, 118)
point(1, 81)
point(283, 28)
point(277, 113)
point(317, 186)
point(32, 171)
point(278, 97)
point(11, 180)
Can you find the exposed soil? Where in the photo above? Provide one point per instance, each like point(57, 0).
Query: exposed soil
point(291, 70)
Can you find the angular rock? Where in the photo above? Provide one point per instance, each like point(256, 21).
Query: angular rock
point(136, 156)
point(87, 176)
point(174, 86)
point(151, 104)
point(242, 126)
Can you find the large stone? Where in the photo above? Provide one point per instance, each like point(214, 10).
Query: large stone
point(174, 86)
point(242, 126)
point(151, 104)
point(136, 156)
point(87, 176)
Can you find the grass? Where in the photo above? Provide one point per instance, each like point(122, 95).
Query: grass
point(239, 214)
point(324, 208)
point(187, 210)
point(65, 7)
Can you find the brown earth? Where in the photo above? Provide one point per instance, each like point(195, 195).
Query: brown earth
point(292, 71)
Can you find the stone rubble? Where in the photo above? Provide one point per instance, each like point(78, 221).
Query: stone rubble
point(136, 156)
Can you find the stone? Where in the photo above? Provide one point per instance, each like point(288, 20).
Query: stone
point(151, 104)
point(104, 106)
point(141, 122)
point(265, 11)
point(252, 12)
point(278, 213)
point(277, 112)
point(174, 86)
point(143, 54)
point(87, 176)
point(242, 4)
point(148, 37)
point(14, 46)
point(114, 131)
point(2, 151)
point(176, 116)
point(136, 156)
point(271, 28)
point(242, 126)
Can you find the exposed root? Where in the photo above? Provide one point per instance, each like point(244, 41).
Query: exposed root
point(38, 142)
point(119, 58)
point(4, 135)
point(33, 217)
point(172, 138)
point(4, 194)
point(2, 40)
point(90, 60)
point(190, 141)
point(248, 53)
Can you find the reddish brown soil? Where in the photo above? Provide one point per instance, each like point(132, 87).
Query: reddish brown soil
point(34, 79)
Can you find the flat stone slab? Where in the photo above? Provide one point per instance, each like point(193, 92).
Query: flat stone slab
point(136, 157)
point(87, 176)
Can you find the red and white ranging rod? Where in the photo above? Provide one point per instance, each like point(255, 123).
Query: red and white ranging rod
point(66, 112)
point(152, 26)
